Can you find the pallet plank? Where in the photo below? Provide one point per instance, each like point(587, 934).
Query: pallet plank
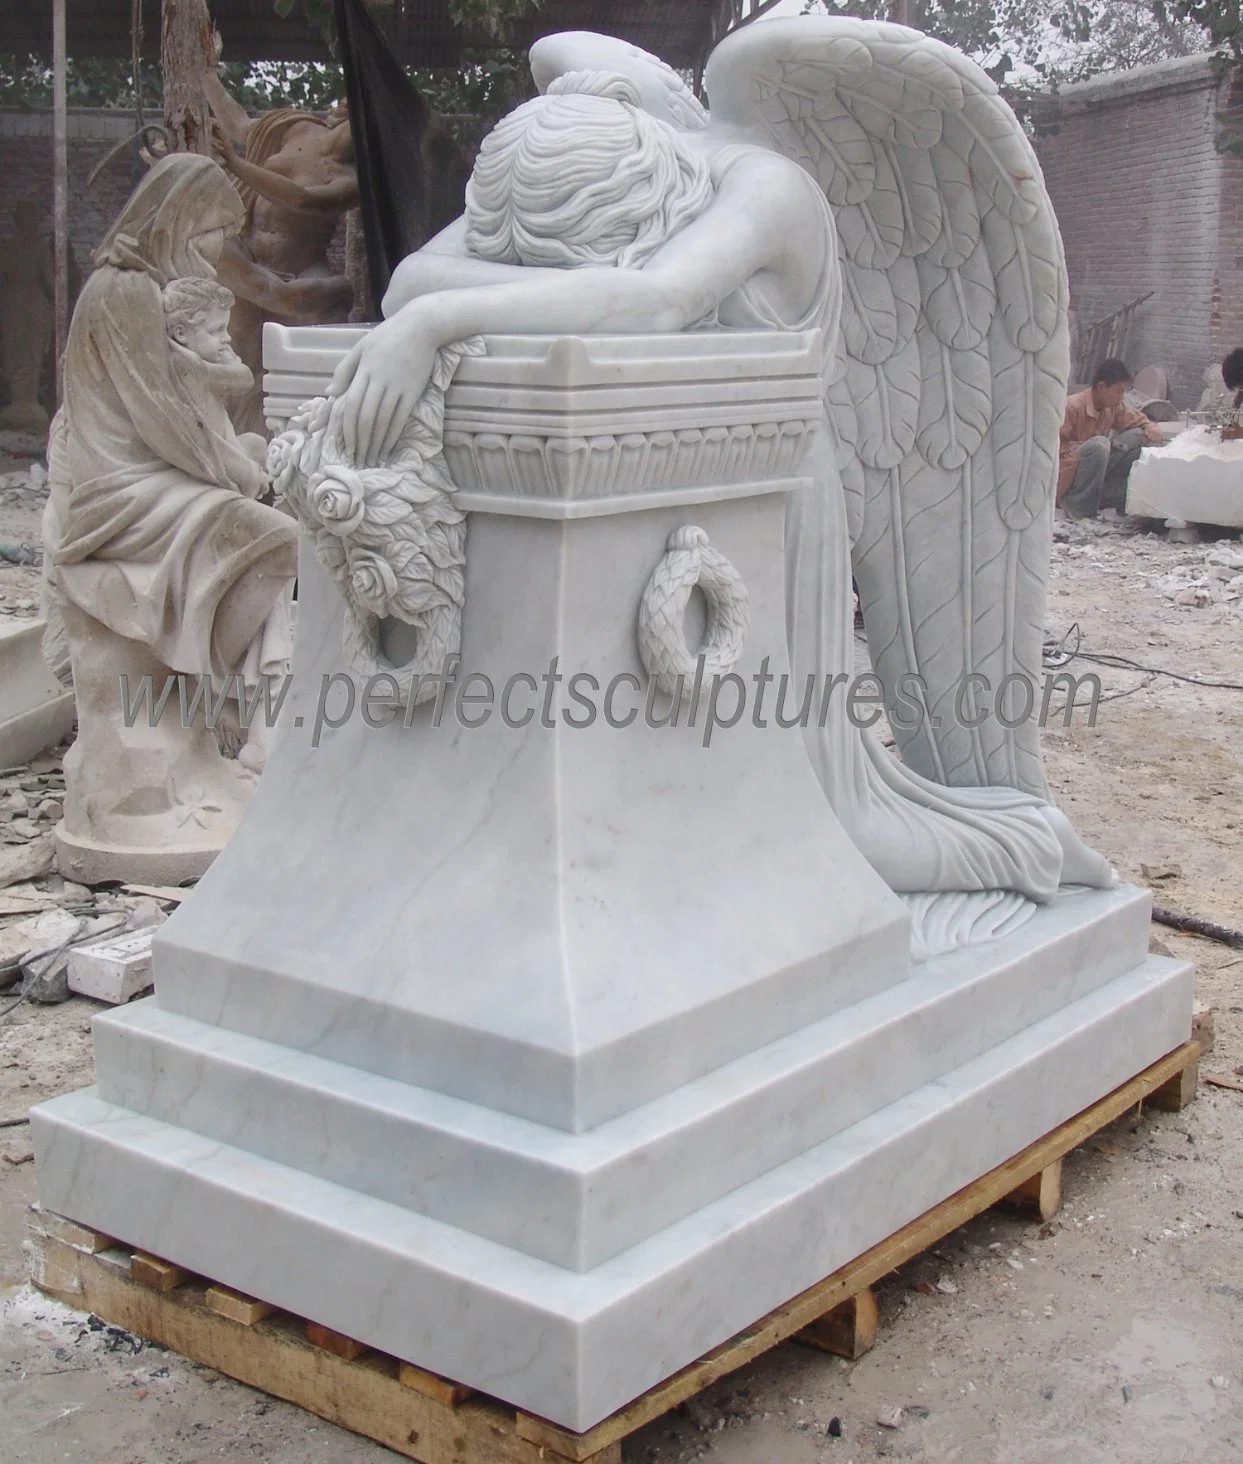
point(81, 1237)
point(849, 1330)
point(1041, 1194)
point(235, 1305)
point(335, 1342)
point(157, 1274)
point(1179, 1089)
point(434, 1386)
point(364, 1396)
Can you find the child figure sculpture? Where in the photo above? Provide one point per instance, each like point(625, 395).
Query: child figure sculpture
point(160, 561)
point(196, 321)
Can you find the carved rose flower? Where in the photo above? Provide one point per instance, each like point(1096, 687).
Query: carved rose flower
point(336, 498)
point(372, 581)
point(283, 454)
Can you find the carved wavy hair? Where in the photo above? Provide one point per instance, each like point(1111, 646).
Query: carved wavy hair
point(582, 176)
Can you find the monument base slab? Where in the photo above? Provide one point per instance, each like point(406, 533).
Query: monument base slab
point(430, 1419)
point(575, 1347)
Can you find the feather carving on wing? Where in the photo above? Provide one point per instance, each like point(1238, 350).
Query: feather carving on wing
point(946, 405)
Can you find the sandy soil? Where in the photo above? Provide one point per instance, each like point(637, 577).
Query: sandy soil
point(1112, 1335)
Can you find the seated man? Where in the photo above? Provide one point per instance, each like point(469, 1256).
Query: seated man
point(1101, 438)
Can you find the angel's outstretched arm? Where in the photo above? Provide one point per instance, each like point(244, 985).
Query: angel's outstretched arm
point(443, 263)
point(761, 221)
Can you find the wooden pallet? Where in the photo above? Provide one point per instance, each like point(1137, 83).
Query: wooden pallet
point(437, 1421)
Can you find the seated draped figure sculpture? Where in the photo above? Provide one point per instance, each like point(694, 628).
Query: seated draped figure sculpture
point(158, 558)
point(914, 230)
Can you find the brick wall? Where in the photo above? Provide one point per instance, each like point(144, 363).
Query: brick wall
point(1146, 202)
point(26, 171)
point(1230, 234)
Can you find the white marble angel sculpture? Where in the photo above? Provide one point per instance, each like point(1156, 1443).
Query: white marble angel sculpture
point(864, 179)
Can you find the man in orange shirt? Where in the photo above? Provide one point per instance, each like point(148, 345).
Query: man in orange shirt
point(1101, 439)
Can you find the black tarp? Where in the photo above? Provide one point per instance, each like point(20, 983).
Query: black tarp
point(411, 172)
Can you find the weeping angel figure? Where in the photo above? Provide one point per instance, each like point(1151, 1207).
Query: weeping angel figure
point(864, 179)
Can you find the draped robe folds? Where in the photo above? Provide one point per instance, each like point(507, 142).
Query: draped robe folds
point(159, 521)
point(918, 835)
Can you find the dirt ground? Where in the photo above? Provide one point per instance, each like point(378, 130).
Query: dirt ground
point(1112, 1335)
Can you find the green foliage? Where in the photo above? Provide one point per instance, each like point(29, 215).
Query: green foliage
point(495, 17)
point(1029, 44)
point(1220, 20)
point(26, 81)
point(318, 13)
point(471, 100)
point(492, 79)
point(262, 84)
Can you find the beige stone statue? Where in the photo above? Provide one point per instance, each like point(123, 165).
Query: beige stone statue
point(159, 558)
point(26, 312)
point(295, 173)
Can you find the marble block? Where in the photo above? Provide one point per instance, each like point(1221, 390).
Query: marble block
point(35, 709)
point(1196, 478)
point(574, 1347)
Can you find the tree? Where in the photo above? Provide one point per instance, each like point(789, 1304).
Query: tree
point(185, 56)
point(1221, 22)
point(492, 78)
point(1027, 43)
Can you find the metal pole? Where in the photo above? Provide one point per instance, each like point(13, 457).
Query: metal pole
point(60, 183)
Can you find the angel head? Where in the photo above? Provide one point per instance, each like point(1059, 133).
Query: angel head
point(196, 316)
point(582, 176)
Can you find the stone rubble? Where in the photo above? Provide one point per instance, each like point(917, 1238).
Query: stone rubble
point(42, 915)
point(1189, 576)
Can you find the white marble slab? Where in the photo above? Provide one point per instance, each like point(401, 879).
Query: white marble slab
point(1196, 478)
point(576, 1200)
point(575, 1347)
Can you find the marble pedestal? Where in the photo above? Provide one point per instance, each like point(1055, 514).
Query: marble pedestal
point(145, 804)
point(548, 1057)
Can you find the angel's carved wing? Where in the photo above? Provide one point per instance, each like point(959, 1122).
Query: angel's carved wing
point(950, 384)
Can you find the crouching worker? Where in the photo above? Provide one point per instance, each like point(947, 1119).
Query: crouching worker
point(1101, 439)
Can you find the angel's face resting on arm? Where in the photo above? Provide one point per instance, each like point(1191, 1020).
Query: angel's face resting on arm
point(584, 214)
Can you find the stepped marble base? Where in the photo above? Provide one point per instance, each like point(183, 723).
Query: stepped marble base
point(575, 1346)
point(579, 1199)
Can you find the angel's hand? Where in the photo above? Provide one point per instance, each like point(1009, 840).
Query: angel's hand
point(377, 386)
